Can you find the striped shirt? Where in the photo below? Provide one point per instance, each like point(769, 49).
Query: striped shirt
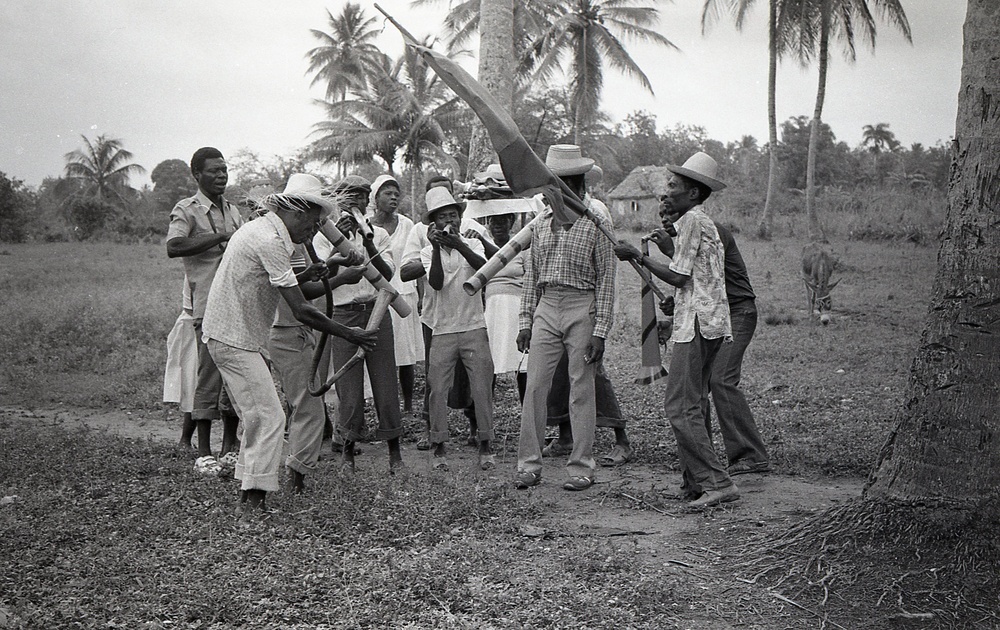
point(244, 294)
point(579, 258)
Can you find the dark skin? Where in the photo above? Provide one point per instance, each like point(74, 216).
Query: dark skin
point(348, 224)
point(443, 232)
point(212, 180)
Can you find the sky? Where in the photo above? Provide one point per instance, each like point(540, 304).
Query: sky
point(168, 77)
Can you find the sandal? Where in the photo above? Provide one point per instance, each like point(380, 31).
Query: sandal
point(440, 463)
point(578, 483)
point(207, 465)
point(619, 455)
point(230, 459)
point(487, 461)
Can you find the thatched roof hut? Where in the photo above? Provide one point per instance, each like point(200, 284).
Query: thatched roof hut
point(640, 190)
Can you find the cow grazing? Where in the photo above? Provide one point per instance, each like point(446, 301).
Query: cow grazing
point(817, 267)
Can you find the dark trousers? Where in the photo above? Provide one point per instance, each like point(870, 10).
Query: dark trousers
point(736, 422)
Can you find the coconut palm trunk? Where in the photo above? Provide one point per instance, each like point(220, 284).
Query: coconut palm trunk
point(496, 60)
point(764, 228)
point(943, 453)
point(815, 227)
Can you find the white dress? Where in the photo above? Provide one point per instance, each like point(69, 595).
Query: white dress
point(503, 301)
point(408, 336)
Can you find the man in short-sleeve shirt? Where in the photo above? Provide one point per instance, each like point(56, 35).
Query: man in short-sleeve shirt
point(200, 227)
point(701, 322)
point(254, 274)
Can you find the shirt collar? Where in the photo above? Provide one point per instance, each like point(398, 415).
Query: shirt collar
point(206, 202)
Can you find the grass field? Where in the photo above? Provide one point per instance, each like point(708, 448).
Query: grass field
point(97, 531)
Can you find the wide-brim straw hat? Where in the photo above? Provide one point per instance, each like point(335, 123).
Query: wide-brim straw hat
point(567, 159)
point(303, 189)
point(700, 167)
point(438, 198)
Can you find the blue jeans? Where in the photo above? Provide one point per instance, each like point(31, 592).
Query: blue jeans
point(739, 430)
point(690, 370)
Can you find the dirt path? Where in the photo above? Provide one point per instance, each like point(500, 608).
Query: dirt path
point(631, 498)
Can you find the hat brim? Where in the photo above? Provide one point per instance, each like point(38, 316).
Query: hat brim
point(429, 214)
point(327, 205)
point(712, 183)
point(565, 168)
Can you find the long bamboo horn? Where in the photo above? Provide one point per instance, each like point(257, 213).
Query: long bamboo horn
point(344, 246)
point(652, 368)
point(503, 257)
point(382, 302)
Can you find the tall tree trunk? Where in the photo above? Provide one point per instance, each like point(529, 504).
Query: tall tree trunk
point(764, 228)
point(815, 228)
point(946, 447)
point(496, 63)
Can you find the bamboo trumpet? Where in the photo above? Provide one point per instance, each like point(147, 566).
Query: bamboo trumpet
point(344, 246)
point(500, 259)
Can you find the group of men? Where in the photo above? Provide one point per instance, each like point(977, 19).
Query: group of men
point(251, 286)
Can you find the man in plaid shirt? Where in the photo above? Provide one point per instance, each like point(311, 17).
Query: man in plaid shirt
point(566, 306)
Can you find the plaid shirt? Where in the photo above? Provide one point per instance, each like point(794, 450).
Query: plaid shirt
point(579, 258)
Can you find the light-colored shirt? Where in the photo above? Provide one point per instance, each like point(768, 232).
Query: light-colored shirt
point(363, 291)
point(510, 279)
point(451, 309)
point(397, 245)
point(283, 317)
point(417, 241)
point(580, 258)
point(198, 216)
point(698, 253)
point(244, 295)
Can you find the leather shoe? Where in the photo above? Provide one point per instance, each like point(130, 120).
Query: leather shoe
point(578, 483)
point(715, 497)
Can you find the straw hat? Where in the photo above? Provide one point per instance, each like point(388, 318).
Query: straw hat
point(566, 159)
point(438, 198)
point(303, 189)
point(701, 168)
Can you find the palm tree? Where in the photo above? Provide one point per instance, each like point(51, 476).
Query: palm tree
point(844, 19)
point(779, 38)
point(879, 138)
point(496, 54)
point(589, 32)
point(401, 114)
point(348, 54)
point(103, 167)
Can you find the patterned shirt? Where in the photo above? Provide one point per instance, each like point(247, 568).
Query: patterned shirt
point(699, 254)
point(579, 258)
point(198, 216)
point(244, 295)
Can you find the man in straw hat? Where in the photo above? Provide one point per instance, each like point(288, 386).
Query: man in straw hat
point(701, 322)
point(255, 273)
point(200, 227)
point(566, 306)
point(458, 325)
